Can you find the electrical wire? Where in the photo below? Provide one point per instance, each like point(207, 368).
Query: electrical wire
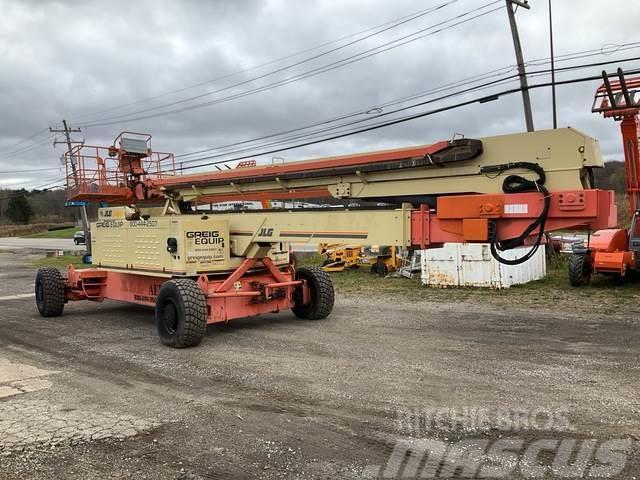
point(407, 17)
point(318, 133)
point(311, 73)
point(368, 111)
point(388, 113)
point(37, 134)
point(376, 126)
point(28, 148)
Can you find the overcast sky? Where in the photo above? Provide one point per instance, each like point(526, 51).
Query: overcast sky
point(79, 60)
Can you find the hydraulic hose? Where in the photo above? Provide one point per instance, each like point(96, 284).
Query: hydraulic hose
point(519, 184)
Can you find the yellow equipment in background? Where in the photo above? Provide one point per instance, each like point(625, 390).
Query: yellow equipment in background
point(381, 260)
point(340, 257)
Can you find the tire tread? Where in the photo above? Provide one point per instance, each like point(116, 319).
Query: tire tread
point(53, 287)
point(322, 304)
point(577, 265)
point(195, 314)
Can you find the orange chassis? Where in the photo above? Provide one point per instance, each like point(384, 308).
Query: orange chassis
point(258, 286)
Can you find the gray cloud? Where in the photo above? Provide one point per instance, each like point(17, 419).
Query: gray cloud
point(77, 60)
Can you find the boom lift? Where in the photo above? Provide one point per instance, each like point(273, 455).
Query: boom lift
point(615, 251)
point(198, 268)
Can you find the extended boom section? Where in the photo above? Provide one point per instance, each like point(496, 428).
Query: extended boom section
point(416, 174)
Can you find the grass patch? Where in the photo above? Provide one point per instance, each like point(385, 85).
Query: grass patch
point(60, 262)
point(62, 233)
point(605, 295)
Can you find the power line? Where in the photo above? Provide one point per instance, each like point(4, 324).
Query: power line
point(37, 134)
point(410, 16)
point(311, 73)
point(315, 134)
point(287, 67)
point(485, 99)
point(28, 148)
point(382, 114)
point(33, 170)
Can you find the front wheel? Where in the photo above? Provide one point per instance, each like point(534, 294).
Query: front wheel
point(181, 313)
point(321, 294)
point(580, 269)
point(49, 292)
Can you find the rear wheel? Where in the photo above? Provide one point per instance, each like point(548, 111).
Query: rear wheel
point(181, 313)
point(322, 296)
point(380, 268)
point(580, 269)
point(49, 292)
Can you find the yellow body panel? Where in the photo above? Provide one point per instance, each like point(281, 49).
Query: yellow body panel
point(219, 242)
point(202, 245)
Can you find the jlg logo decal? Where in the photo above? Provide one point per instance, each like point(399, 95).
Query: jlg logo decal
point(266, 232)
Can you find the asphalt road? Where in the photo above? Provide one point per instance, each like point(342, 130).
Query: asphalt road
point(13, 243)
point(94, 395)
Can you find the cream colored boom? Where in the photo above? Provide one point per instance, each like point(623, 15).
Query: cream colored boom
point(370, 227)
point(193, 244)
point(563, 153)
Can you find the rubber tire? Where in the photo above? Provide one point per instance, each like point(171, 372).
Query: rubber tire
point(76, 242)
point(322, 294)
point(380, 268)
point(190, 309)
point(580, 269)
point(49, 289)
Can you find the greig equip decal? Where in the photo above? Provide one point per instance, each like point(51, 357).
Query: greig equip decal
point(205, 248)
point(207, 237)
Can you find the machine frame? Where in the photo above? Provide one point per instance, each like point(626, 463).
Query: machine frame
point(148, 253)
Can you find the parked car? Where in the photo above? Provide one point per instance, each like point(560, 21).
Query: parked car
point(78, 237)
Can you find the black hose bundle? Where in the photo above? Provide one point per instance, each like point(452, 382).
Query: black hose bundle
point(519, 184)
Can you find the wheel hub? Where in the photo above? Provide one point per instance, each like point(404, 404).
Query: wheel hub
point(170, 317)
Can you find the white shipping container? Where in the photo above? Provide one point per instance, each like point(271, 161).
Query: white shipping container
point(472, 265)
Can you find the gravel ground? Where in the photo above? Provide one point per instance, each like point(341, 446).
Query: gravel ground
point(94, 395)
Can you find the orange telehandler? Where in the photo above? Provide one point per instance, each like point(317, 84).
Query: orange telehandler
point(615, 252)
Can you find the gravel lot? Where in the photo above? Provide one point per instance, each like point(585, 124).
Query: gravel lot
point(94, 395)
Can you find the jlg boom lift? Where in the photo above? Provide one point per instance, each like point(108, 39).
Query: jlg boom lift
point(615, 251)
point(198, 268)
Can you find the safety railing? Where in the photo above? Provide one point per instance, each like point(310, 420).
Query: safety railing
point(93, 174)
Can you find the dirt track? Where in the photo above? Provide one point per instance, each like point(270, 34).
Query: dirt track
point(96, 396)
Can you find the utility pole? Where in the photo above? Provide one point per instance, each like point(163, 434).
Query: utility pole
point(553, 71)
point(526, 100)
point(74, 168)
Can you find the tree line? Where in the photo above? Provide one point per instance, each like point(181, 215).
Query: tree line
point(24, 207)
